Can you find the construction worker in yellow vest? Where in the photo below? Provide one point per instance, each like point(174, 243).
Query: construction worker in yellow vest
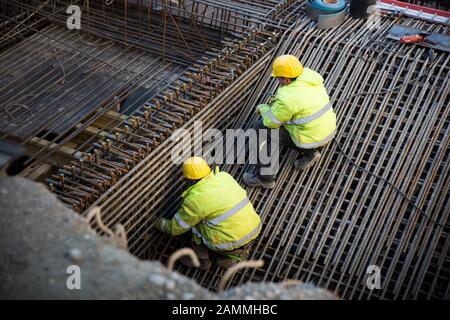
point(301, 111)
point(218, 212)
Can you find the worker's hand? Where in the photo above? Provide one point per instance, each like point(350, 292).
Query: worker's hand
point(161, 225)
point(258, 108)
point(263, 108)
point(272, 100)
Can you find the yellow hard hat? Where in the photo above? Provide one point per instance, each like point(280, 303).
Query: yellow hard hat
point(195, 168)
point(287, 66)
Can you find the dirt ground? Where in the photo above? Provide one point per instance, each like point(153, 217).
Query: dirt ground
point(40, 239)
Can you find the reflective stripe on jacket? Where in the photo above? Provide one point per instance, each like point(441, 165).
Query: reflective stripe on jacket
point(304, 109)
point(218, 212)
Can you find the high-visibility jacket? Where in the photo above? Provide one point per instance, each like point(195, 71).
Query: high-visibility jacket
point(303, 107)
point(218, 212)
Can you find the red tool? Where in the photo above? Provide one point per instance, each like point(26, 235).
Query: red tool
point(415, 38)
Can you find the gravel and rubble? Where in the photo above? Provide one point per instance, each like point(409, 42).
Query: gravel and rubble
point(40, 238)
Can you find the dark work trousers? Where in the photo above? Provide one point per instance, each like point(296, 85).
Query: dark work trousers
point(285, 141)
point(207, 257)
point(224, 259)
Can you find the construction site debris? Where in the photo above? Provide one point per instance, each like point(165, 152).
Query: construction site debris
point(40, 239)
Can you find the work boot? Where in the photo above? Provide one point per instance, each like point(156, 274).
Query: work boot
point(306, 161)
point(225, 262)
point(229, 260)
point(205, 264)
point(203, 257)
point(254, 180)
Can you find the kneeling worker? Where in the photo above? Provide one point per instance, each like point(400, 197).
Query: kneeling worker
point(218, 212)
point(302, 113)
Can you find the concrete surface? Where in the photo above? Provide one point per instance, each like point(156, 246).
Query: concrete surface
point(40, 238)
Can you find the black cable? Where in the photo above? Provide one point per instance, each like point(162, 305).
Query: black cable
point(432, 62)
point(391, 185)
point(364, 93)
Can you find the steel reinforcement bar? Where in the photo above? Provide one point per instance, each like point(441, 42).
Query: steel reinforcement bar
point(327, 225)
point(102, 163)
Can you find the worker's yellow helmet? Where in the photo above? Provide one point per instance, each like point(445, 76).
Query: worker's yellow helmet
point(287, 66)
point(195, 168)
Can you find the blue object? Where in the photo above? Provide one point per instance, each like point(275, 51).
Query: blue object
point(328, 15)
point(322, 5)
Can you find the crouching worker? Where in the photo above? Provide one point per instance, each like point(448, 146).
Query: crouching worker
point(219, 214)
point(302, 114)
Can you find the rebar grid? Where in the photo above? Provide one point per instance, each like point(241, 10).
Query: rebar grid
point(329, 224)
point(325, 225)
point(378, 139)
point(11, 32)
point(180, 31)
point(99, 163)
point(50, 98)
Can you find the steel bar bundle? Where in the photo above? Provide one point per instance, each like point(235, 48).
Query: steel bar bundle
point(442, 5)
point(326, 225)
point(99, 163)
point(180, 31)
point(12, 30)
